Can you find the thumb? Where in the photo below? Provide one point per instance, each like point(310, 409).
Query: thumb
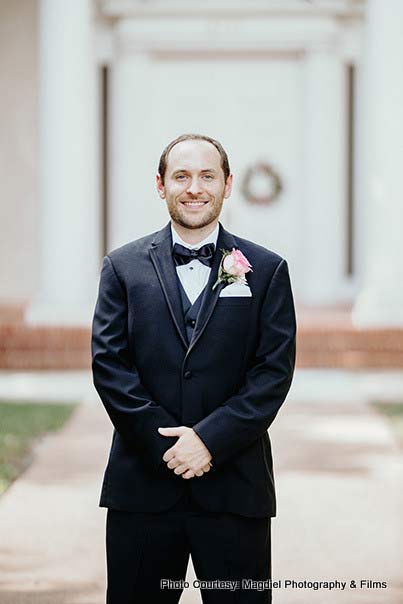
point(175, 431)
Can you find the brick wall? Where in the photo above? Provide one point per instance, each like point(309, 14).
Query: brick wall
point(325, 339)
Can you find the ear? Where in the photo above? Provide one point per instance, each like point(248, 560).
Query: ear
point(228, 187)
point(160, 186)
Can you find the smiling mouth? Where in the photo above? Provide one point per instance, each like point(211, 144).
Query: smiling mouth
point(194, 204)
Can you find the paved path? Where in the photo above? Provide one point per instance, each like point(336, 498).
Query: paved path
point(339, 482)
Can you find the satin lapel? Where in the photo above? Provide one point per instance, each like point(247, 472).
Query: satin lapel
point(161, 256)
point(226, 241)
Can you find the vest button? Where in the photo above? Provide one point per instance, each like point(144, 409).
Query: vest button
point(187, 374)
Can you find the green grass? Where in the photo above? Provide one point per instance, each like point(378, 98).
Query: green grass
point(394, 413)
point(21, 424)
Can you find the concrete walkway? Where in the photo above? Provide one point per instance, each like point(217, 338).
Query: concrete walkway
point(339, 482)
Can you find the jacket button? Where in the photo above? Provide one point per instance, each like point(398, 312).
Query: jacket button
point(187, 374)
point(192, 322)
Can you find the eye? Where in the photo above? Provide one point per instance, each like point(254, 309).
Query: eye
point(180, 176)
point(209, 176)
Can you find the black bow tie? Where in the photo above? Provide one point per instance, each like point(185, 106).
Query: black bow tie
point(183, 255)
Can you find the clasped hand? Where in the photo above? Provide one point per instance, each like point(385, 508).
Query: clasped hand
point(189, 456)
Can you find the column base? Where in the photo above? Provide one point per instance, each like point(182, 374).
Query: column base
point(371, 310)
point(330, 294)
point(48, 313)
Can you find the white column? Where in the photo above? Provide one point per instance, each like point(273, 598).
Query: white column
point(136, 208)
point(69, 236)
point(380, 302)
point(323, 178)
point(128, 138)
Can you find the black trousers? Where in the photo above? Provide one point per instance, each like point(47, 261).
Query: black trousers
point(143, 549)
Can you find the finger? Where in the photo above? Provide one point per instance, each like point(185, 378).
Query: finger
point(170, 454)
point(199, 472)
point(181, 468)
point(167, 431)
point(188, 474)
point(206, 468)
point(173, 463)
point(177, 431)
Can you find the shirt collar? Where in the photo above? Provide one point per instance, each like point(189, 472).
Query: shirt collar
point(212, 238)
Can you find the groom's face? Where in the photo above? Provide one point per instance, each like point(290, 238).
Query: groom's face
point(194, 186)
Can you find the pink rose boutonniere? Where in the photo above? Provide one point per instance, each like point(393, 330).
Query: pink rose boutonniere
point(233, 267)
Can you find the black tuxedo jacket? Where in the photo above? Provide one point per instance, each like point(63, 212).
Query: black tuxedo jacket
point(227, 384)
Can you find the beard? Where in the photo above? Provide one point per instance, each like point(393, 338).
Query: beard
point(180, 215)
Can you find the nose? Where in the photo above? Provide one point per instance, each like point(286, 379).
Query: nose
point(194, 187)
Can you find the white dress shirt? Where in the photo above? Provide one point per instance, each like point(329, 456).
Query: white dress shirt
point(194, 275)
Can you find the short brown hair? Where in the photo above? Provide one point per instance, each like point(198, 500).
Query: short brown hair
point(162, 166)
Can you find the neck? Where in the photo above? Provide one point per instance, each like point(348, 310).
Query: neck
point(193, 236)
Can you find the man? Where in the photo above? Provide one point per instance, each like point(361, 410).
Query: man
point(193, 349)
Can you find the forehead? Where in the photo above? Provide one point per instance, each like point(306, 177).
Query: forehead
point(194, 155)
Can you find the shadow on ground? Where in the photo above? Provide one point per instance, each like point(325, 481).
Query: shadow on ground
point(83, 594)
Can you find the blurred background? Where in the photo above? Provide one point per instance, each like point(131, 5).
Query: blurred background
point(307, 99)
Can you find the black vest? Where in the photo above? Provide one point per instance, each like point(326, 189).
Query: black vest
point(190, 311)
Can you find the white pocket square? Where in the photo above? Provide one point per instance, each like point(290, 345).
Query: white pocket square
point(235, 289)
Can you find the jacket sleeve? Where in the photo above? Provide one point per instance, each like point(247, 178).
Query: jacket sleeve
point(135, 416)
point(246, 415)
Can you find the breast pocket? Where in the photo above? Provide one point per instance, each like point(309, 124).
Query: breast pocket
point(232, 315)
